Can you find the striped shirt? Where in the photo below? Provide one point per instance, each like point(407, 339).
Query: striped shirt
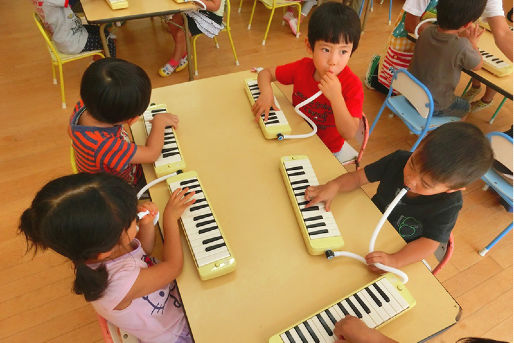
point(103, 149)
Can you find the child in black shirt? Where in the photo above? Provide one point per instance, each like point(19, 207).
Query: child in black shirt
point(448, 159)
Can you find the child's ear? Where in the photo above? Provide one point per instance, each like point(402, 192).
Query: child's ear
point(456, 190)
point(308, 46)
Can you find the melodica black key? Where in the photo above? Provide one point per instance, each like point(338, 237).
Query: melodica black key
point(318, 227)
point(207, 242)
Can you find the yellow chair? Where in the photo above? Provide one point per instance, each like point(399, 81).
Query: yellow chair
point(73, 163)
point(227, 29)
point(272, 5)
point(58, 59)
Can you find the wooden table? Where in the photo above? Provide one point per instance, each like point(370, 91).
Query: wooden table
point(276, 282)
point(99, 12)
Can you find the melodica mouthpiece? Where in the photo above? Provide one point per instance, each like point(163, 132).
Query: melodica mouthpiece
point(329, 254)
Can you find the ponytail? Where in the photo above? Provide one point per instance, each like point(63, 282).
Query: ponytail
point(90, 282)
point(80, 216)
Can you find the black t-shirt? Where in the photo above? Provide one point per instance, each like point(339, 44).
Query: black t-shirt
point(430, 216)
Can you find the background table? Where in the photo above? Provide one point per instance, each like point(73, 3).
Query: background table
point(99, 12)
point(276, 282)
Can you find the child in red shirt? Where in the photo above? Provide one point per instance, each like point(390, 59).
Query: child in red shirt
point(334, 32)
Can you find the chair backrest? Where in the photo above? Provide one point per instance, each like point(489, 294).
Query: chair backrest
point(113, 334)
point(362, 137)
point(448, 254)
point(413, 90)
point(46, 35)
point(502, 148)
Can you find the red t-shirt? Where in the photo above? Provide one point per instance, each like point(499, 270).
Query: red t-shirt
point(301, 75)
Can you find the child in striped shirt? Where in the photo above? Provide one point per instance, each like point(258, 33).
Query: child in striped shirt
point(115, 92)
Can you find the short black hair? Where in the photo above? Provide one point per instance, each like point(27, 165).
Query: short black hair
point(454, 14)
point(455, 154)
point(114, 90)
point(333, 22)
point(478, 340)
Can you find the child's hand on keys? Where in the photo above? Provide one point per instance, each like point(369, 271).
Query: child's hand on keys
point(151, 208)
point(330, 86)
point(263, 105)
point(178, 203)
point(167, 119)
point(326, 192)
point(380, 257)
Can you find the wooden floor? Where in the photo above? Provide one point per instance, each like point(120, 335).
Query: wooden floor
point(36, 302)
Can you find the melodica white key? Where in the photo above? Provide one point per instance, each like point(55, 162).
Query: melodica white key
point(170, 159)
point(495, 65)
point(318, 227)
point(276, 126)
point(210, 250)
point(376, 304)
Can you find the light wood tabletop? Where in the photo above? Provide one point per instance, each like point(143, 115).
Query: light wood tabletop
point(276, 282)
point(98, 11)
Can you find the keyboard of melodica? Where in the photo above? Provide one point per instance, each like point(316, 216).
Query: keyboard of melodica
point(276, 126)
point(375, 304)
point(170, 159)
point(495, 65)
point(318, 227)
point(210, 250)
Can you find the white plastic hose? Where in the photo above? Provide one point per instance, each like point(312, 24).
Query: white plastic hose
point(429, 20)
point(297, 109)
point(373, 239)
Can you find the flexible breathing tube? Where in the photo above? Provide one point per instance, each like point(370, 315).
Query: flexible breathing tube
point(311, 123)
point(140, 215)
point(330, 254)
point(429, 20)
point(200, 3)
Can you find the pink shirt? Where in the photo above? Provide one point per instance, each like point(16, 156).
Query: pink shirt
point(155, 318)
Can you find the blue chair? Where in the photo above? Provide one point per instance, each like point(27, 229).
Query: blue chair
point(502, 147)
point(414, 106)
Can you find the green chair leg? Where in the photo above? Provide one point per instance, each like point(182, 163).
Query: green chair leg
point(497, 110)
point(467, 87)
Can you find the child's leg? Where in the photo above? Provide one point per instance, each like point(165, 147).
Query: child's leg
point(485, 101)
point(178, 57)
point(459, 108)
point(306, 8)
point(473, 90)
point(94, 42)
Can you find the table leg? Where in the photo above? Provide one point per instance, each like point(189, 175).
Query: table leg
point(188, 47)
point(104, 40)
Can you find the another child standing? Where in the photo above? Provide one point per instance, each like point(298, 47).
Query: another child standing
point(208, 22)
point(334, 33)
point(449, 158)
point(91, 219)
point(68, 33)
point(114, 92)
point(443, 50)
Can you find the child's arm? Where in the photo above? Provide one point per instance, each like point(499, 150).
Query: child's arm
point(266, 99)
point(473, 33)
point(149, 152)
point(414, 251)
point(344, 183)
point(502, 34)
point(159, 275)
point(212, 5)
point(146, 234)
point(346, 124)
point(355, 331)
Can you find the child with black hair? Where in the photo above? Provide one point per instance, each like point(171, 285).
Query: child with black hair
point(91, 219)
point(115, 92)
point(449, 158)
point(333, 35)
point(444, 50)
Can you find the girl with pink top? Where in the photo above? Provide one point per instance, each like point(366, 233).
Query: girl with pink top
point(92, 220)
